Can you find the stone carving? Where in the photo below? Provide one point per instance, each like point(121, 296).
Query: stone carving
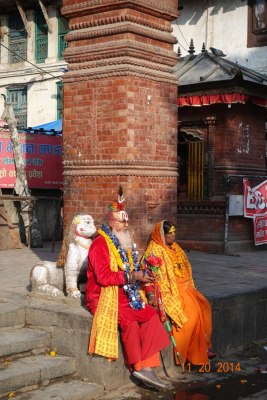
point(52, 278)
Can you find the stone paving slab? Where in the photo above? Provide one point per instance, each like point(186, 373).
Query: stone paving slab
point(22, 340)
point(215, 275)
point(74, 390)
point(34, 370)
point(11, 315)
point(218, 276)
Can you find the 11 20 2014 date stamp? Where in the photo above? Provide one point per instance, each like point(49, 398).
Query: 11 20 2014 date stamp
point(221, 367)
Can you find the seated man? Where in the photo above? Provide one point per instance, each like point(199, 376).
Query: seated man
point(188, 310)
point(112, 296)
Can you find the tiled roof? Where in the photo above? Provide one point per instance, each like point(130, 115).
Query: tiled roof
point(206, 71)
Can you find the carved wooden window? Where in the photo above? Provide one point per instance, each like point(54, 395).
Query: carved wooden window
point(41, 37)
point(257, 23)
point(17, 96)
point(17, 39)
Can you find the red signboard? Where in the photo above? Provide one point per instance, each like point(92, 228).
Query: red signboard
point(260, 229)
point(42, 156)
point(255, 199)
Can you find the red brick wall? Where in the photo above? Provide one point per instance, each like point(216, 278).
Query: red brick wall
point(239, 144)
point(120, 114)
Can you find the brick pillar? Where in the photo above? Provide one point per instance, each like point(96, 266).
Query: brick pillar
point(120, 114)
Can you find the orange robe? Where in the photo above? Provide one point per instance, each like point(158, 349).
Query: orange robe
point(188, 310)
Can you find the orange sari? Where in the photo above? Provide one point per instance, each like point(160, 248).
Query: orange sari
point(192, 332)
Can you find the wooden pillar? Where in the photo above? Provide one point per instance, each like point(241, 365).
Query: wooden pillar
point(120, 113)
point(211, 124)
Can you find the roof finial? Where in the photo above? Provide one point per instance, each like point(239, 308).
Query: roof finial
point(179, 53)
point(191, 47)
point(203, 50)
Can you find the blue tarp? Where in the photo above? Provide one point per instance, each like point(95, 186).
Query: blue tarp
point(55, 125)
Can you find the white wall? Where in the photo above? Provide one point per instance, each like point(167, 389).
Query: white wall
point(221, 24)
point(42, 86)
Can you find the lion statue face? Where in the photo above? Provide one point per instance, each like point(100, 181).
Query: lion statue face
point(84, 226)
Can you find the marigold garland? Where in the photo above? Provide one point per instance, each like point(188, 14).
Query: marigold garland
point(174, 255)
point(126, 262)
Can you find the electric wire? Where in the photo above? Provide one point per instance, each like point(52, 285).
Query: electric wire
point(34, 65)
point(183, 36)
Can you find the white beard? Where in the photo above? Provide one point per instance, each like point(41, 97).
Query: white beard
point(124, 238)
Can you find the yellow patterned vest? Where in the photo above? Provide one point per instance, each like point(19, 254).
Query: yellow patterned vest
point(104, 333)
point(167, 283)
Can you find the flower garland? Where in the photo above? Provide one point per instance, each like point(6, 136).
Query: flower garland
point(175, 257)
point(127, 262)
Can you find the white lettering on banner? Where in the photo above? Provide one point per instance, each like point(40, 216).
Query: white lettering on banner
point(255, 199)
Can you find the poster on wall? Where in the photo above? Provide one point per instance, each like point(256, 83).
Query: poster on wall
point(255, 206)
point(260, 229)
point(42, 156)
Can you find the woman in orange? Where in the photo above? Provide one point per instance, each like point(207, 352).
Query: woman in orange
point(189, 311)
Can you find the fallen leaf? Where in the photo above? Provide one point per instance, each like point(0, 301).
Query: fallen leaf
point(242, 381)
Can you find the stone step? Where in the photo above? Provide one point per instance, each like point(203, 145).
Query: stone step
point(34, 370)
point(20, 340)
point(11, 315)
point(73, 390)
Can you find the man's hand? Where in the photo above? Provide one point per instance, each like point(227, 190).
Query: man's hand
point(151, 299)
point(142, 276)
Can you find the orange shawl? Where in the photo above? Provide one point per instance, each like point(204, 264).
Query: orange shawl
point(170, 294)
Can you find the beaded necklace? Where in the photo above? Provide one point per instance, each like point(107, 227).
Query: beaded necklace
point(126, 261)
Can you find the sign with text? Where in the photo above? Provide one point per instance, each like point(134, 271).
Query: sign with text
point(255, 199)
point(42, 157)
point(260, 229)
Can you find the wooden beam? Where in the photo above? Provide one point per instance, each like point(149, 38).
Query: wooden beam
point(46, 17)
point(24, 18)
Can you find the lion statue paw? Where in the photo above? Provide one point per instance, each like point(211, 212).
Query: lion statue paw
point(50, 278)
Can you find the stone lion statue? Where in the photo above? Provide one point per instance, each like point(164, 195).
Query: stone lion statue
point(53, 278)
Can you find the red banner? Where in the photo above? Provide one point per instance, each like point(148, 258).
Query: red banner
point(255, 199)
point(260, 229)
point(42, 156)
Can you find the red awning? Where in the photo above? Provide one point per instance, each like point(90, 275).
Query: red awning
point(226, 98)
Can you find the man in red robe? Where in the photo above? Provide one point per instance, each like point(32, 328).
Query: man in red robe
point(112, 296)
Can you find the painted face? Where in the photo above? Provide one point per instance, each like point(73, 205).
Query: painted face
point(170, 236)
point(85, 226)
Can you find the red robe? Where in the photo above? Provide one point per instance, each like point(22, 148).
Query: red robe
point(142, 333)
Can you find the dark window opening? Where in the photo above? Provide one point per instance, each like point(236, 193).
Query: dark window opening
point(257, 23)
point(191, 167)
